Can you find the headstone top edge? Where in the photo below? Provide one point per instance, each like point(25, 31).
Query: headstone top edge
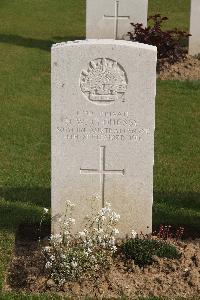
point(104, 42)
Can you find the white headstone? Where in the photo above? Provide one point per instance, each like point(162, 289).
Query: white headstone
point(110, 19)
point(103, 94)
point(194, 41)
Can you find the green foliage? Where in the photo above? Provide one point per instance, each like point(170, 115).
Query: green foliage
point(168, 42)
point(142, 250)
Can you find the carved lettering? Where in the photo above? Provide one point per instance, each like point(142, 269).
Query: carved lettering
point(117, 126)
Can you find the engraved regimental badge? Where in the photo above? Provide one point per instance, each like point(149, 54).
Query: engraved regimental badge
point(104, 81)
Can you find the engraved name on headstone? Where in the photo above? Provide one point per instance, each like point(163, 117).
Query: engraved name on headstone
point(103, 129)
point(110, 19)
point(194, 40)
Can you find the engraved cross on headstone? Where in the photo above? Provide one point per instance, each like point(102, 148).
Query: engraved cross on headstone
point(116, 18)
point(102, 172)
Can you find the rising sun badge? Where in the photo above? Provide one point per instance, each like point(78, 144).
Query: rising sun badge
point(104, 82)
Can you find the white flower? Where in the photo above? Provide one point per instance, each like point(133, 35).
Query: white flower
point(102, 212)
point(69, 203)
point(96, 197)
point(52, 258)
point(93, 258)
point(134, 233)
point(114, 248)
point(103, 218)
point(82, 234)
point(72, 220)
point(115, 231)
point(66, 232)
point(74, 264)
point(57, 238)
point(48, 265)
point(103, 244)
point(115, 217)
point(86, 253)
point(62, 281)
point(112, 241)
point(46, 210)
point(47, 249)
point(105, 210)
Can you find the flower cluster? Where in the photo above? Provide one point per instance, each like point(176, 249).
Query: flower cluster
point(102, 230)
point(73, 256)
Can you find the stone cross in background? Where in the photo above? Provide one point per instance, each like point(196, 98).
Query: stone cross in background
point(116, 19)
point(194, 40)
point(111, 19)
point(103, 106)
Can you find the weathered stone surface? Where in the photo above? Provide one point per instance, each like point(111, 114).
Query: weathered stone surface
point(103, 94)
point(194, 41)
point(101, 21)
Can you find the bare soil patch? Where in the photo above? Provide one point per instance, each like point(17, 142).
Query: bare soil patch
point(169, 278)
point(188, 69)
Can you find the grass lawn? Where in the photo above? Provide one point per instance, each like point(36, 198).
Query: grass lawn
point(28, 28)
point(178, 12)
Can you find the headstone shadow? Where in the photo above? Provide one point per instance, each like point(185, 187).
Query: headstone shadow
point(175, 209)
point(33, 43)
point(37, 196)
point(188, 200)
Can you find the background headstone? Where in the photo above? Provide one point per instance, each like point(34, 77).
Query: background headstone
point(103, 94)
point(110, 19)
point(194, 41)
